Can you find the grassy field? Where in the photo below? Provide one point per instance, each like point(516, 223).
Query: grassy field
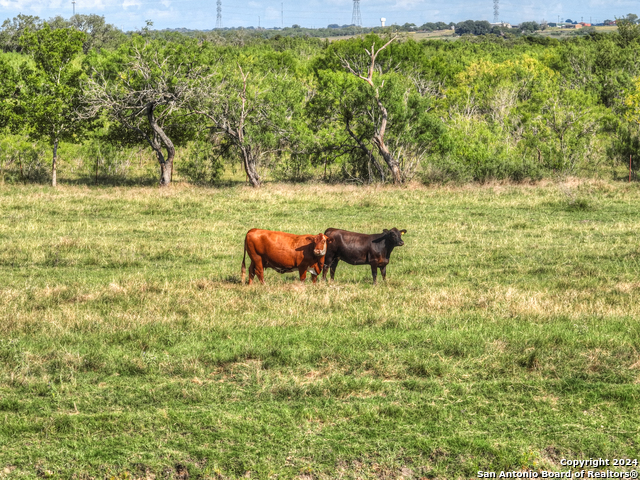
point(450, 34)
point(561, 33)
point(505, 337)
point(417, 36)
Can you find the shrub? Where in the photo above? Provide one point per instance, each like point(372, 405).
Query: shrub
point(201, 165)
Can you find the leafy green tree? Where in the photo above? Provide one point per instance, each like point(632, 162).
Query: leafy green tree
point(428, 26)
point(565, 130)
point(8, 108)
point(99, 33)
point(530, 27)
point(12, 30)
point(9, 92)
point(627, 134)
point(379, 113)
point(252, 107)
point(600, 64)
point(374, 110)
point(431, 26)
point(488, 106)
point(628, 28)
point(470, 27)
point(52, 95)
point(339, 118)
point(631, 18)
point(632, 102)
point(144, 87)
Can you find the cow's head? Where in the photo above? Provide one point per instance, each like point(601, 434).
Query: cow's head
point(320, 242)
point(394, 236)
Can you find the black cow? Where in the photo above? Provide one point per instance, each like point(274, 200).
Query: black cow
point(361, 249)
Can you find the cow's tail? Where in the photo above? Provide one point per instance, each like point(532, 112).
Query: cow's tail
point(244, 268)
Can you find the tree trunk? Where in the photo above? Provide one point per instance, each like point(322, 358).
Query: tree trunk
point(166, 165)
point(378, 139)
point(388, 158)
point(378, 167)
point(367, 152)
point(250, 166)
point(165, 173)
point(55, 161)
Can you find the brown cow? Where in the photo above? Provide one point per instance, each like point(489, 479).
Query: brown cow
point(284, 252)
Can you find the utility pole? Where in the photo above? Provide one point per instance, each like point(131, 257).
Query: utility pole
point(73, 2)
point(219, 14)
point(282, 15)
point(258, 21)
point(355, 17)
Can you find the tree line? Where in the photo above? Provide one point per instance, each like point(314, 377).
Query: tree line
point(375, 108)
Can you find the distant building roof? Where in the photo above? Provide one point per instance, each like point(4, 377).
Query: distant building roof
point(501, 24)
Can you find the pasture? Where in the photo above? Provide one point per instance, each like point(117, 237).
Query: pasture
point(505, 337)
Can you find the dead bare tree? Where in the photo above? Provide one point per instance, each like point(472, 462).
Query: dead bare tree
point(382, 118)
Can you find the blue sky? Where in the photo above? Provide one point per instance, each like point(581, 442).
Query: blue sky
point(201, 14)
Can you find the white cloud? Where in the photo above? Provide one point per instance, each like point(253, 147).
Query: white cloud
point(156, 14)
point(50, 7)
point(131, 3)
point(272, 13)
point(407, 4)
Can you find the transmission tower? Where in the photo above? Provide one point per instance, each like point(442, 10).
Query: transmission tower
point(219, 11)
point(496, 11)
point(355, 18)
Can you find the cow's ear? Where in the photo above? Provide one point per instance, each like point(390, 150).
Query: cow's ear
point(311, 239)
point(402, 232)
point(385, 231)
point(329, 240)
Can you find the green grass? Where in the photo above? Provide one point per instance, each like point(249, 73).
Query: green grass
point(505, 337)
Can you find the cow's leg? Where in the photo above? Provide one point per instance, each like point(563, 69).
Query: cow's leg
point(374, 272)
point(303, 274)
point(334, 265)
point(316, 268)
point(259, 270)
point(383, 271)
point(252, 271)
point(328, 260)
